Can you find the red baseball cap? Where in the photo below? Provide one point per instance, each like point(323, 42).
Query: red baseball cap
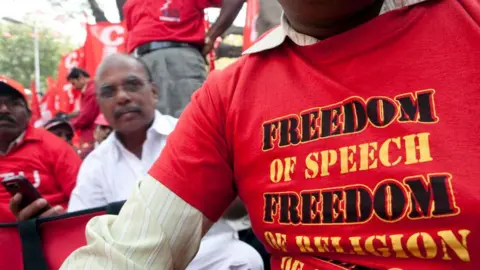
point(7, 83)
point(101, 120)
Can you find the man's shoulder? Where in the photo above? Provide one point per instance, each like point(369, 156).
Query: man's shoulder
point(46, 139)
point(164, 124)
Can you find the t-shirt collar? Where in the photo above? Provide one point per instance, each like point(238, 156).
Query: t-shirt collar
point(278, 35)
point(27, 135)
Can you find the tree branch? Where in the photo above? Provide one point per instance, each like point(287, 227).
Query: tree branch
point(120, 4)
point(97, 11)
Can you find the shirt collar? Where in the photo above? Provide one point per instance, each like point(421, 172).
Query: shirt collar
point(16, 142)
point(277, 36)
point(162, 125)
point(29, 134)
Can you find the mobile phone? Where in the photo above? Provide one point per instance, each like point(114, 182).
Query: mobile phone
point(19, 184)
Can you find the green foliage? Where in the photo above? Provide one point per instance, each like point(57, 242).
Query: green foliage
point(17, 56)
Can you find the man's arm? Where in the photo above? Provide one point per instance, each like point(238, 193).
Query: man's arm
point(144, 235)
point(66, 167)
point(228, 13)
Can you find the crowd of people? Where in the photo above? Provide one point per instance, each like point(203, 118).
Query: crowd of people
point(347, 134)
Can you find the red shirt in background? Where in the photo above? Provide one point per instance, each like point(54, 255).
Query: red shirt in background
point(362, 149)
point(84, 123)
point(47, 161)
point(166, 20)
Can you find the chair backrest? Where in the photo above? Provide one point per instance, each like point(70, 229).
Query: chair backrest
point(42, 244)
point(10, 247)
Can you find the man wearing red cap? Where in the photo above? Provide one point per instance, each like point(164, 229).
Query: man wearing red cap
point(41, 157)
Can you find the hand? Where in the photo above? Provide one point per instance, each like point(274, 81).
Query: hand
point(33, 209)
point(208, 46)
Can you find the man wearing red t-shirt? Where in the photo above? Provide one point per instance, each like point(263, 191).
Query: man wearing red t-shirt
point(169, 35)
point(351, 137)
point(84, 121)
point(41, 157)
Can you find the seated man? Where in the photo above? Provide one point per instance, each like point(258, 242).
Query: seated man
point(61, 127)
point(41, 157)
point(127, 98)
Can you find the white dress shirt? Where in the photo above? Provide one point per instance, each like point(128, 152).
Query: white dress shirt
point(109, 173)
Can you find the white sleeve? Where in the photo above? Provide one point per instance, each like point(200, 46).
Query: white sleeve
point(155, 229)
point(88, 192)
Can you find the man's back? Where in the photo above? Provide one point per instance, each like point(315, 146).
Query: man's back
point(170, 20)
point(47, 161)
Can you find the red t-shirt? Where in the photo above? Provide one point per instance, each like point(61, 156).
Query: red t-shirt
point(166, 20)
point(84, 123)
point(362, 149)
point(47, 161)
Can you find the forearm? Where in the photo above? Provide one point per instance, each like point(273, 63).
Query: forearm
point(228, 13)
point(155, 229)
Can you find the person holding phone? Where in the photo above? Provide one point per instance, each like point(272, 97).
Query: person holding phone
point(46, 161)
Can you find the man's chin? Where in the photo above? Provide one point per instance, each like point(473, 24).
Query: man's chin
point(131, 126)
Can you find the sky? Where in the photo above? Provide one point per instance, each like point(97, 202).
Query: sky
point(40, 11)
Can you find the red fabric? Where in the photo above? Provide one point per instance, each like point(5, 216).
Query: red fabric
point(103, 39)
point(34, 104)
point(47, 161)
point(67, 96)
point(51, 97)
point(250, 33)
point(84, 123)
point(166, 20)
point(362, 149)
point(67, 233)
point(10, 249)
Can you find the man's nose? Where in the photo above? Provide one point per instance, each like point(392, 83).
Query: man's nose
point(3, 107)
point(123, 96)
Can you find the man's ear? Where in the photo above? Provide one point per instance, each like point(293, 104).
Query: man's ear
point(155, 91)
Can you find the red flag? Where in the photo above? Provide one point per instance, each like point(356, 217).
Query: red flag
point(250, 33)
point(103, 39)
point(34, 104)
point(51, 96)
point(67, 96)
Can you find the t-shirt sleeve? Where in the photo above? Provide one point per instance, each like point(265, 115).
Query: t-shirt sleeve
point(196, 162)
point(66, 166)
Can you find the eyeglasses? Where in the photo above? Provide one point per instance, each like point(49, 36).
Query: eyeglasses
point(129, 85)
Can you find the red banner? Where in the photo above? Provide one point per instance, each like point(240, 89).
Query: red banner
point(68, 98)
point(103, 39)
point(250, 33)
point(34, 104)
